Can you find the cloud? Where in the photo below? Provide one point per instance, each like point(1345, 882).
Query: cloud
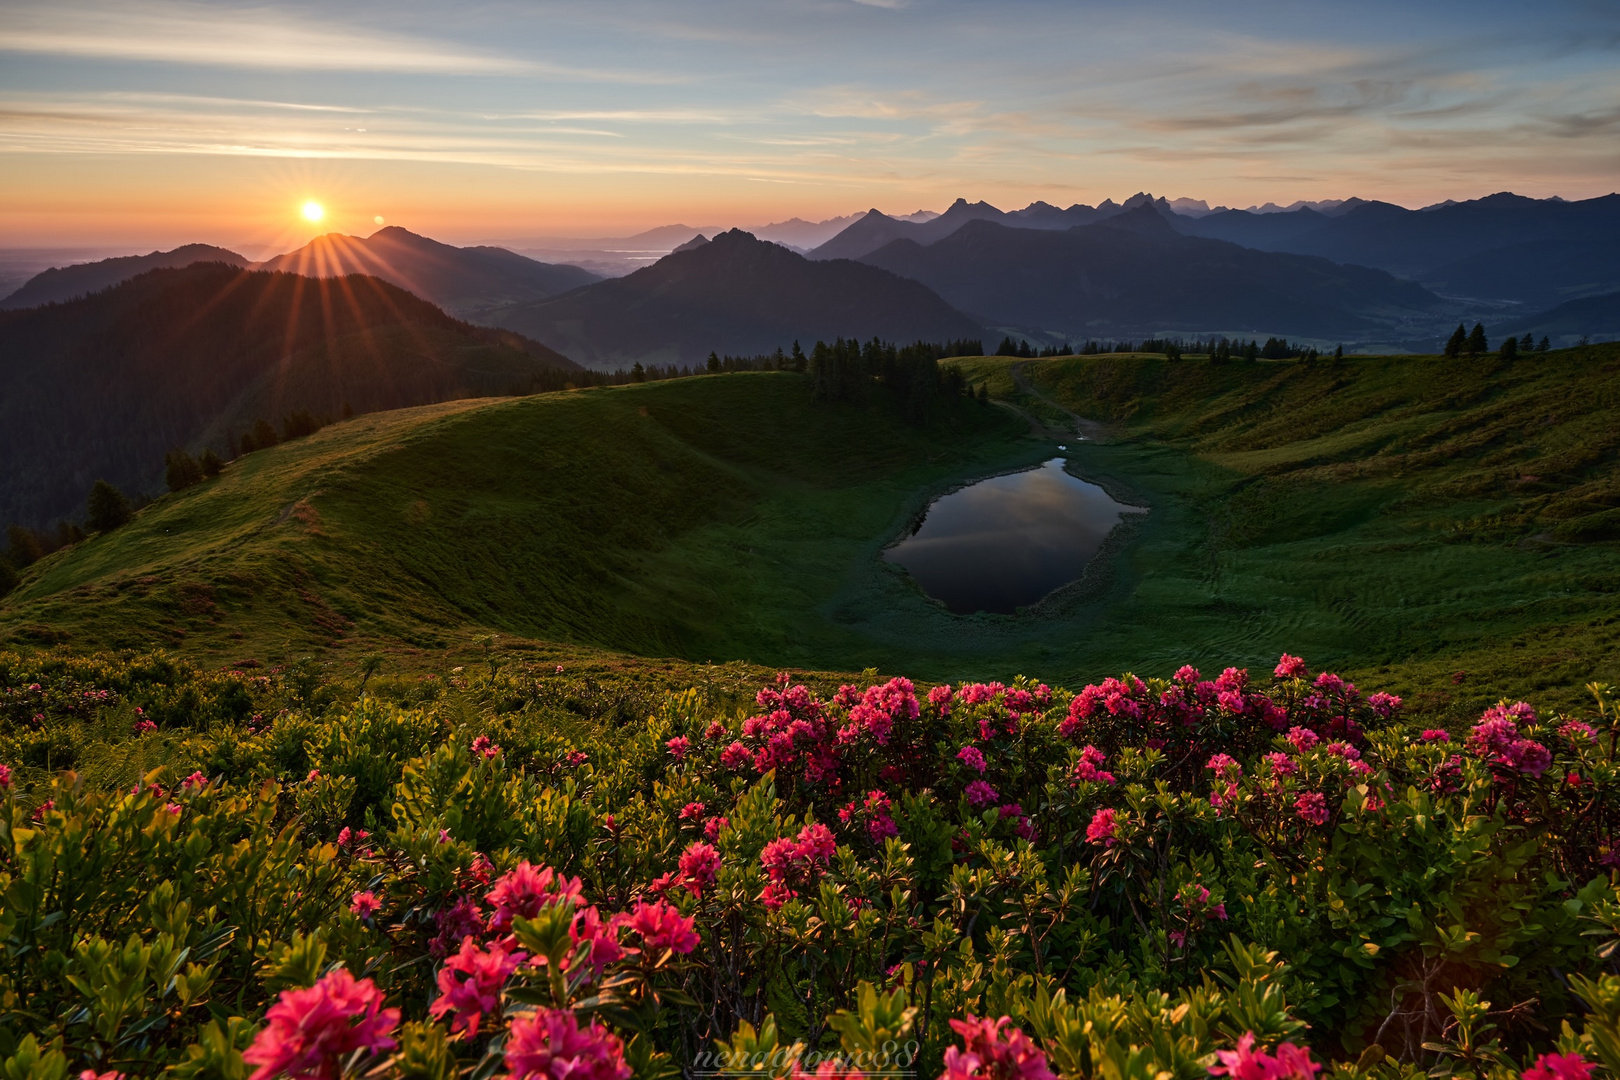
point(212, 35)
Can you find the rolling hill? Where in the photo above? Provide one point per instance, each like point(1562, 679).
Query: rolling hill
point(1596, 318)
point(1133, 274)
point(464, 281)
point(103, 386)
point(70, 282)
point(734, 294)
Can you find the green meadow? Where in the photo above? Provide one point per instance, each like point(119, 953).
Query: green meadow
point(1412, 521)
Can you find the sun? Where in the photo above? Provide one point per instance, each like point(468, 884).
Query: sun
point(313, 211)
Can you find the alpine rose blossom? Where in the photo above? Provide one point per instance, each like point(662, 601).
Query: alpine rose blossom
point(524, 890)
point(1105, 827)
point(549, 1044)
point(1290, 1062)
point(994, 1050)
point(699, 863)
point(470, 984)
point(1290, 667)
point(980, 793)
point(972, 757)
point(1312, 807)
point(1559, 1067)
point(662, 926)
point(678, 746)
point(309, 1032)
point(365, 904)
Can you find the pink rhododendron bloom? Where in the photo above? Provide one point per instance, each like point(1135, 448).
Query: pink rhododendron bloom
point(1282, 764)
point(1089, 766)
point(662, 926)
point(470, 984)
point(309, 1033)
point(1290, 1062)
point(775, 894)
point(1187, 675)
point(365, 904)
point(484, 748)
point(678, 746)
point(110, 1074)
point(1303, 739)
point(1105, 827)
point(980, 793)
point(1312, 807)
point(940, 698)
point(549, 1044)
point(1289, 667)
point(1559, 1067)
point(972, 757)
point(691, 811)
point(994, 1050)
point(735, 756)
point(195, 782)
point(715, 826)
point(144, 726)
point(699, 863)
point(1385, 705)
point(5, 777)
point(1436, 735)
point(1224, 765)
point(524, 890)
point(1577, 730)
point(603, 935)
point(829, 1068)
point(1343, 750)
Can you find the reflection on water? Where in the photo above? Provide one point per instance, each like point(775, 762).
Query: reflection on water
point(1005, 542)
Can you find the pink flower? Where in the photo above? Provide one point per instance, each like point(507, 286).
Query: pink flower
point(309, 1033)
point(5, 777)
point(1385, 705)
point(980, 793)
point(1436, 735)
point(144, 727)
point(1312, 807)
point(678, 746)
point(1577, 730)
point(1089, 767)
point(1290, 667)
point(699, 863)
point(1224, 765)
point(1282, 764)
point(735, 756)
point(775, 894)
point(603, 935)
point(1246, 1063)
point(484, 748)
point(691, 810)
point(1559, 1067)
point(1303, 739)
point(110, 1074)
point(940, 698)
point(1105, 828)
point(715, 826)
point(548, 1044)
point(816, 844)
point(662, 926)
point(992, 1050)
point(972, 757)
point(524, 891)
point(470, 984)
point(195, 782)
point(365, 904)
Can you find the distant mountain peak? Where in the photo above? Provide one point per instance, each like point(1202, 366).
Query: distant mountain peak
point(691, 245)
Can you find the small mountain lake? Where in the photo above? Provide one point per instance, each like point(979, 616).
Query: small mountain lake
point(1004, 543)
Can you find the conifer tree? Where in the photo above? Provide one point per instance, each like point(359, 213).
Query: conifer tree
point(714, 363)
point(1544, 344)
point(210, 463)
point(1476, 341)
point(1510, 348)
point(639, 373)
point(180, 470)
point(1527, 343)
point(1459, 338)
point(800, 361)
point(106, 508)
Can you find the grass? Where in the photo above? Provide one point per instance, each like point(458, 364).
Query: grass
point(1402, 519)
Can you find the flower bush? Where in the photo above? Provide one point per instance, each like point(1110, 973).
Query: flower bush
point(1149, 878)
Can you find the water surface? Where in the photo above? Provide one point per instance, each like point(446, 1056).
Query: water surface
point(1005, 542)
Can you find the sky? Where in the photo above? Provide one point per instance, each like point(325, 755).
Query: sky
point(157, 122)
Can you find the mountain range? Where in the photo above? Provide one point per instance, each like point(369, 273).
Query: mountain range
point(734, 294)
point(101, 387)
point(67, 282)
point(1133, 273)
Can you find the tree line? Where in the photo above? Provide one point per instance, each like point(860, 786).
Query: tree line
point(1474, 343)
point(848, 370)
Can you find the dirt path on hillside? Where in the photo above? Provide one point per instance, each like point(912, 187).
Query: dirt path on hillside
point(1083, 428)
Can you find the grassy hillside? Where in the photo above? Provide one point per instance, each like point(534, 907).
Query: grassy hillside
point(709, 518)
point(1410, 516)
point(1406, 520)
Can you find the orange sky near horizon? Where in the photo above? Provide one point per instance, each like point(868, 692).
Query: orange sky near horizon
point(151, 123)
